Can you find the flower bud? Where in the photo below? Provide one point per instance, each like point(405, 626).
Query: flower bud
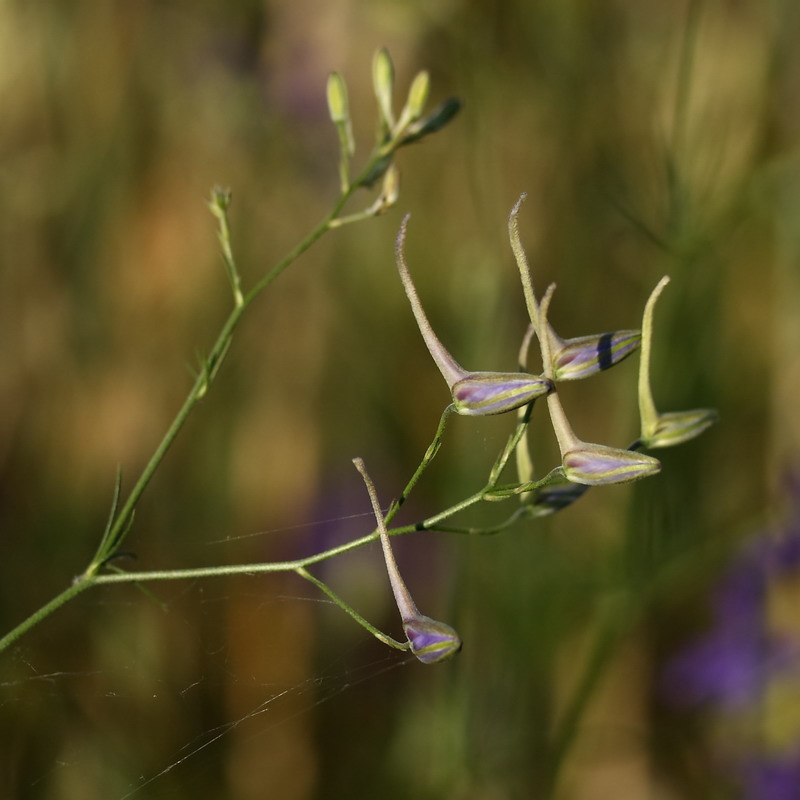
point(556, 497)
point(598, 465)
point(382, 82)
point(485, 393)
point(676, 427)
point(431, 641)
point(578, 358)
point(417, 100)
point(433, 122)
point(673, 427)
point(339, 111)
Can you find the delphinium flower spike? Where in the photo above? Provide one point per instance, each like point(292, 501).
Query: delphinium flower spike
point(430, 640)
point(589, 464)
point(474, 393)
point(572, 359)
point(674, 427)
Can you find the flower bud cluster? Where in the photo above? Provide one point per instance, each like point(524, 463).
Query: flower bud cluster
point(484, 393)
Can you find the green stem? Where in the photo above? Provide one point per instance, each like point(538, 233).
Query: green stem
point(34, 619)
point(606, 640)
point(88, 580)
point(204, 379)
point(348, 609)
point(430, 454)
point(120, 525)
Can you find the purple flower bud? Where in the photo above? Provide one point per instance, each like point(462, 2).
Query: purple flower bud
point(556, 497)
point(431, 641)
point(483, 393)
point(598, 465)
point(578, 358)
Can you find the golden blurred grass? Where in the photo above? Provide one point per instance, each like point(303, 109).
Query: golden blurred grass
point(118, 118)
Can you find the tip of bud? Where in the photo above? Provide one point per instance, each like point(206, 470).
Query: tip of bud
point(433, 122)
point(485, 393)
point(586, 355)
point(598, 465)
point(431, 641)
point(676, 427)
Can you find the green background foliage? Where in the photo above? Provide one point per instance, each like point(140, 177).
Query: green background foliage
point(651, 138)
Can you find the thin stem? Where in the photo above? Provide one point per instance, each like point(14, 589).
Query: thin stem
point(430, 454)
point(451, 370)
point(431, 522)
point(118, 528)
point(684, 76)
point(348, 609)
point(514, 441)
point(405, 603)
point(34, 619)
point(648, 414)
point(213, 362)
point(606, 640)
point(522, 263)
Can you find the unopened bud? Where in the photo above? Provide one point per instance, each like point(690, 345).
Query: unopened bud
point(433, 122)
point(391, 188)
point(417, 100)
point(556, 497)
point(339, 110)
point(676, 427)
point(337, 98)
point(431, 641)
point(485, 393)
point(598, 465)
point(578, 358)
point(383, 81)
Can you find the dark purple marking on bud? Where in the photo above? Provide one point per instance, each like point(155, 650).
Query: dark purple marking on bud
point(555, 498)
point(484, 393)
point(431, 641)
point(586, 355)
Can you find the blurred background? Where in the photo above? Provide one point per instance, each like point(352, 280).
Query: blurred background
point(641, 644)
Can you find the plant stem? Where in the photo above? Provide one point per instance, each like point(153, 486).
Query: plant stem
point(78, 586)
point(348, 609)
point(120, 525)
point(612, 626)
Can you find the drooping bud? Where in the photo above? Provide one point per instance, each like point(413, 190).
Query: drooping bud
point(485, 393)
point(556, 497)
point(474, 393)
point(429, 640)
point(583, 462)
point(674, 427)
point(598, 465)
point(584, 356)
point(383, 82)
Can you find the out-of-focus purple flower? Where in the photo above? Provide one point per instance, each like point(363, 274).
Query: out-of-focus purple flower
point(731, 665)
point(772, 778)
point(730, 670)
